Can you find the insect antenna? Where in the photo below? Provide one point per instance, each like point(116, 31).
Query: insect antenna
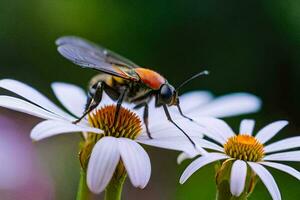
point(192, 78)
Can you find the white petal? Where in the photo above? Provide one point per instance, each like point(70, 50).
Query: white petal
point(231, 105)
point(158, 116)
point(289, 143)
point(193, 100)
point(191, 153)
point(238, 177)
point(270, 131)
point(32, 95)
point(50, 128)
point(200, 162)
point(26, 107)
point(247, 126)
point(287, 169)
point(180, 144)
point(285, 156)
point(136, 161)
point(267, 179)
point(162, 128)
point(215, 128)
point(208, 145)
point(71, 96)
point(182, 157)
point(173, 143)
point(102, 164)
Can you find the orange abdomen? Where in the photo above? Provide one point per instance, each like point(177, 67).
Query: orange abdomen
point(150, 78)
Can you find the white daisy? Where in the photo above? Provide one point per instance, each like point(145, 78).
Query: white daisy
point(111, 143)
point(246, 150)
point(197, 104)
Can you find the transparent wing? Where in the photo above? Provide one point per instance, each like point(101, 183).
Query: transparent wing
point(86, 57)
point(102, 53)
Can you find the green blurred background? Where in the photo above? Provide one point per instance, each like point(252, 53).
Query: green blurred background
point(250, 46)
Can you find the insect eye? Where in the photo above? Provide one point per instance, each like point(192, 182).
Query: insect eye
point(166, 94)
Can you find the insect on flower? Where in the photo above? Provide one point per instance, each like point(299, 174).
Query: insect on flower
point(121, 79)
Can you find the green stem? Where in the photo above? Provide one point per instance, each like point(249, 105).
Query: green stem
point(114, 189)
point(223, 191)
point(83, 190)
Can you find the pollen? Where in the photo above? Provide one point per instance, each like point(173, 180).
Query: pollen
point(244, 147)
point(127, 124)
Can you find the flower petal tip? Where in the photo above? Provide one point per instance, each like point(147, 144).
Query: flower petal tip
point(182, 181)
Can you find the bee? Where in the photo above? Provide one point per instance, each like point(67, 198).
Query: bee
point(121, 79)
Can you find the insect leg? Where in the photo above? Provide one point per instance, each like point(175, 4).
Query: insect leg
point(145, 116)
point(171, 120)
point(181, 113)
point(94, 98)
point(146, 121)
point(119, 103)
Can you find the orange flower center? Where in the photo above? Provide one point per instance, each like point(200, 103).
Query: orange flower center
point(127, 124)
point(244, 147)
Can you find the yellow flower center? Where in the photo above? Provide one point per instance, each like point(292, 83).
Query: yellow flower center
point(244, 147)
point(127, 125)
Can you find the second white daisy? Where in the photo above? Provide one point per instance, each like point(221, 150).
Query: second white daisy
point(242, 150)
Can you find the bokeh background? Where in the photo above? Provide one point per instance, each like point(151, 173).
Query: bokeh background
point(250, 46)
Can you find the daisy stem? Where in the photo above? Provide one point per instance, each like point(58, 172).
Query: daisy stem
point(83, 190)
point(224, 193)
point(114, 189)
